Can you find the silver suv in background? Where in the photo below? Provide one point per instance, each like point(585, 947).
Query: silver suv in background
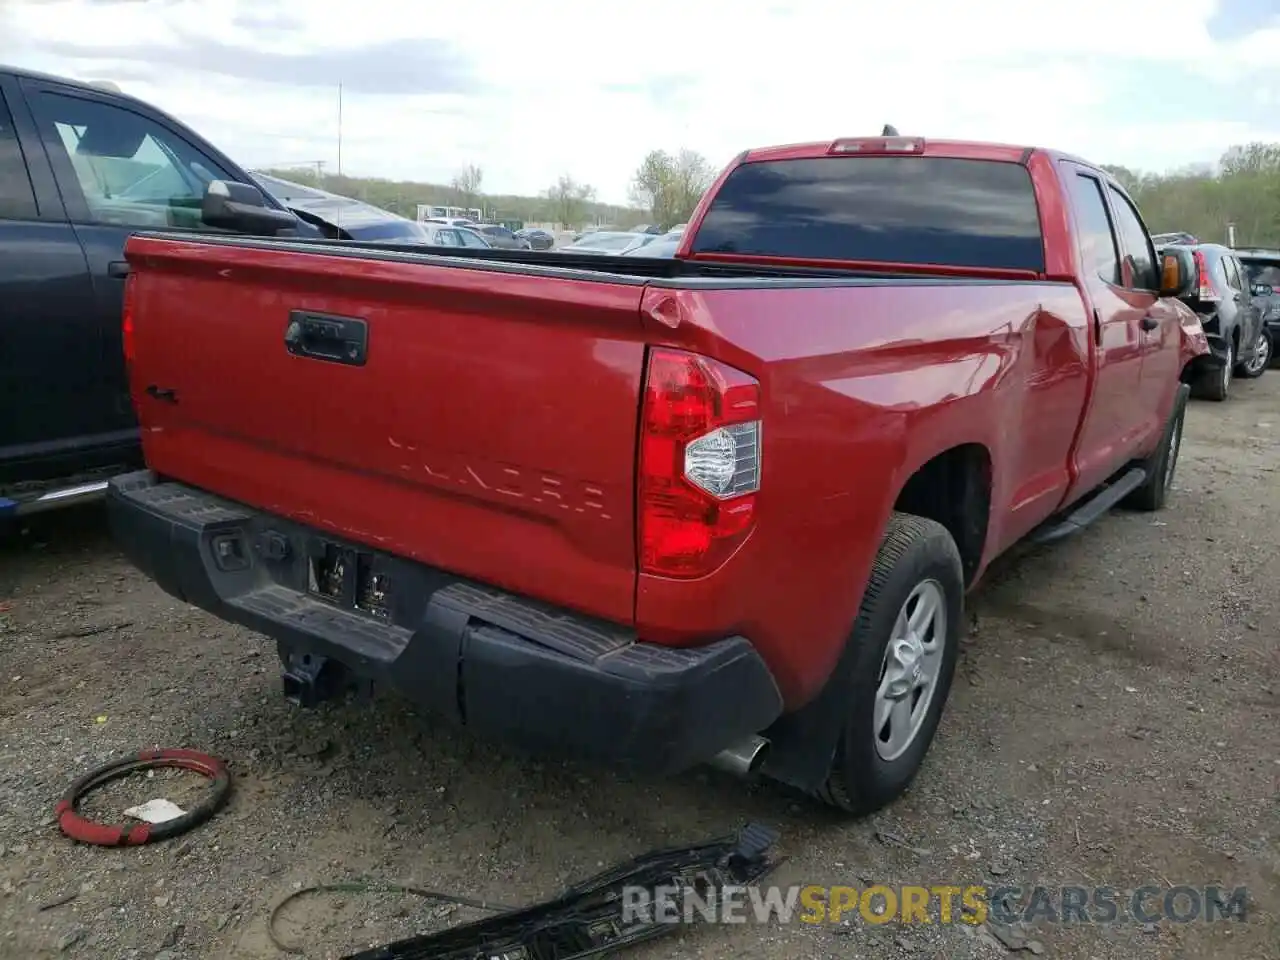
point(1223, 298)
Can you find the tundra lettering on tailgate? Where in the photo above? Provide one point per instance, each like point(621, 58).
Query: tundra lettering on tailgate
point(548, 492)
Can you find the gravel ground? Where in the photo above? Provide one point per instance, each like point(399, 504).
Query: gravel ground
point(1113, 723)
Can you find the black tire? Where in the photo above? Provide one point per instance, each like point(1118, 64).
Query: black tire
point(913, 552)
point(1214, 383)
point(1260, 362)
point(1160, 466)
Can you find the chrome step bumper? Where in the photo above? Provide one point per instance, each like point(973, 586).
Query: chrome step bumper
point(53, 499)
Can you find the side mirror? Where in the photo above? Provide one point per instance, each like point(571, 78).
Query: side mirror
point(1177, 273)
point(241, 207)
point(1263, 290)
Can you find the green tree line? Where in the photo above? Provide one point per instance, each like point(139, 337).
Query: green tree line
point(1244, 189)
point(664, 191)
point(567, 201)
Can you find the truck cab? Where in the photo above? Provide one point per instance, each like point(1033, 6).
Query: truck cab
point(82, 167)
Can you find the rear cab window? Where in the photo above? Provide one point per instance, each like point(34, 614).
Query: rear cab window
point(907, 210)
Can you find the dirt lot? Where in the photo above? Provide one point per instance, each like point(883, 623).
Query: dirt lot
point(1115, 722)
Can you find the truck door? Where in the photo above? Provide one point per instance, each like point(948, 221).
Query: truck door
point(50, 348)
point(1158, 323)
point(119, 170)
point(1113, 424)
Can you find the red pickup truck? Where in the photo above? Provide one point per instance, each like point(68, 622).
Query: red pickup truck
point(723, 507)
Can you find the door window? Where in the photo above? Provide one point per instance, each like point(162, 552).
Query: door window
point(1136, 241)
point(1097, 241)
point(447, 238)
point(17, 199)
point(470, 239)
point(130, 170)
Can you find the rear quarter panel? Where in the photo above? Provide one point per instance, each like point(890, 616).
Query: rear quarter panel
point(862, 384)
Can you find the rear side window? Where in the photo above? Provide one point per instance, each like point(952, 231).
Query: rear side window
point(1233, 275)
point(17, 200)
point(917, 210)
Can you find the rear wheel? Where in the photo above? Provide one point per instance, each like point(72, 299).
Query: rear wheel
point(905, 638)
point(1252, 369)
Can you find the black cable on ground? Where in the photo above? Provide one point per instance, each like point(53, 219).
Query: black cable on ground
point(369, 887)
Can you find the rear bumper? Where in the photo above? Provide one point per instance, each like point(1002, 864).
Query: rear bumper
point(507, 667)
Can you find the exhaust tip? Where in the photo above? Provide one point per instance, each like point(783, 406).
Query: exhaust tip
point(742, 758)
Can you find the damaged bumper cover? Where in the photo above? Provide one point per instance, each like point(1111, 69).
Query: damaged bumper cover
point(593, 918)
point(508, 667)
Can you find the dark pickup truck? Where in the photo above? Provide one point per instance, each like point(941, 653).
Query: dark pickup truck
point(81, 168)
point(722, 507)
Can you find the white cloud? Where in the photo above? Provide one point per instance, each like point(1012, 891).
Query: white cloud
point(589, 87)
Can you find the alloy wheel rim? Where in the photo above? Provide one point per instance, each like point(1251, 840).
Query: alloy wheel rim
point(910, 670)
point(1261, 354)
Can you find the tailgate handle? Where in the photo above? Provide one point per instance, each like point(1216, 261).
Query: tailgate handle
point(322, 336)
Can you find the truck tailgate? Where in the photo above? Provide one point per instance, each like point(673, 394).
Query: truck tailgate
point(486, 426)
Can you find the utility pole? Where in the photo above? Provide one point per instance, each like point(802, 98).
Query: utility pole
point(339, 129)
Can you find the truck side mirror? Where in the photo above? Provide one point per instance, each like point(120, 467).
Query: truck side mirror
point(1177, 273)
point(241, 207)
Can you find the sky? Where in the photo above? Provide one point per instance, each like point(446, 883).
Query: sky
point(532, 90)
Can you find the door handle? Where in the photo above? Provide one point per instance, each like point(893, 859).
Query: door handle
point(321, 336)
point(118, 269)
point(1149, 322)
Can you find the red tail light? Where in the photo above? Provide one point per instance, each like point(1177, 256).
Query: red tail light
point(126, 320)
point(1202, 279)
point(699, 463)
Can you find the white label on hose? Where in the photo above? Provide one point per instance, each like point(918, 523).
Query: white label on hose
point(156, 811)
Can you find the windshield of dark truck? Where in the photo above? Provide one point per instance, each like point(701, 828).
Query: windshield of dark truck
point(916, 210)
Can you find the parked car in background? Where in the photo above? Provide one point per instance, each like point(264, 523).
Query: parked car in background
point(1223, 299)
point(676, 231)
point(661, 248)
point(444, 235)
point(82, 166)
point(500, 237)
point(1263, 268)
point(609, 242)
point(904, 382)
point(537, 238)
point(451, 221)
point(1165, 239)
point(339, 217)
point(596, 228)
